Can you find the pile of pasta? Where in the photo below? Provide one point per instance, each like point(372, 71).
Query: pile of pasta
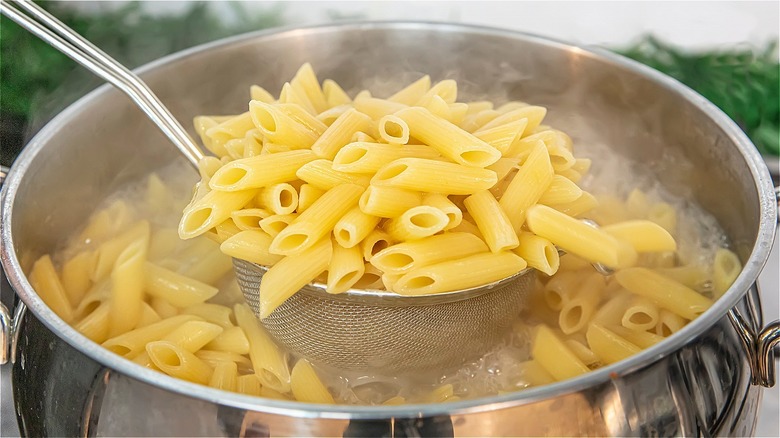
point(130, 284)
point(416, 194)
point(591, 320)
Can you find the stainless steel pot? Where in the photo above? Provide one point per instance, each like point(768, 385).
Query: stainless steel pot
point(701, 381)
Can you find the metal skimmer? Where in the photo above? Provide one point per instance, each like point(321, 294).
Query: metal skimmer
point(380, 330)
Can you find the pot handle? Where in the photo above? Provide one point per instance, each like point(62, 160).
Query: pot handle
point(8, 325)
point(759, 344)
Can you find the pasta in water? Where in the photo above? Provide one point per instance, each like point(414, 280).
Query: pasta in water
point(419, 193)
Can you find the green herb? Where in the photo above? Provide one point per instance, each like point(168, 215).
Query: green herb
point(744, 83)
point(31, 68)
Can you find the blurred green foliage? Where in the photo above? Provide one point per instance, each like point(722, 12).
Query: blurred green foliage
point(742, 82)
point(129, 33)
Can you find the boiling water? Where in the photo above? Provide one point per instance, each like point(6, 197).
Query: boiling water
point(497, 371)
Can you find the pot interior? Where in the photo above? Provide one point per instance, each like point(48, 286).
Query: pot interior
point(104, 142)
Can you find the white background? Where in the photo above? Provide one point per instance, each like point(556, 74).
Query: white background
point(693, 25)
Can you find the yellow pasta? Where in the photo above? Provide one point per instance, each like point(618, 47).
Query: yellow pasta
point(177, 362)
point(127, 288)
point(641, 315)
point(644, 236)
point(383, 201)
point(306, 81)
point(640, 338)
point(554, 356)
point(108, 251)
point(95, 325)
point(441, 202)
point(280, 127)
point(307, 194)
point(291, 273)
point(669, 323)
point(75, 275)
point(534, 373)
point(416, 223)
point(225, 376)
point(450, 140)
point(561, 191)
point(279, 198)
point(534, 115)
point(664, 215)
point(375, 108)
point(306, 386)
point(376, 241)
point(346, 268)
point(257, 92)
point(213, 313)
point(608, 346)
point(434, 176)
point(232, 340)
point(132, 343)
point(725, 269)
point(260, 171)
point(578, 308)
point(503, 137)
point(492, 221)
point(44, 279)
point(334, 94)
point(252, 246)
point(525, 189)
point(579, 238)
point(354, 226)
point(538, 252)
point(273, 225)
point(244, 219)
point(474, 270)
point(322, 175)
point(211, 210)
point(364, 157)
point(585, 203)
point(248, 384)
point(663, 291)
point(412, 93)
point(317, 221)
point(403, 257)
point(179, 290)
point(267, 360)
point(340, 133)
point(393, 129)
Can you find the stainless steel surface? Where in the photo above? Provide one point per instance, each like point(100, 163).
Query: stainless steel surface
point(6, 322)
point(697, 382)
point(70, 43)
point(387, 332)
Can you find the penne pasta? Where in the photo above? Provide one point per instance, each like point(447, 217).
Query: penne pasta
point(252, 246)
point(177, 289)
point(322, 175)
point(441, 202)
point(528, 185)
point(127, 287)
point(450, 140)
point(273, 225)
point(307, 194)
point(663, 291)
point(364, 157)
point(417, 223)
point(474, 270)
point(538, 252)
point(578, 238)
point(267, 360)
point(387, 202)
point(260, 171)
point(554, 356)
point(644, 236)
point(306, 386)
point(279, 198)
point(291, 273)
point(44, 279)
point(340, 133)
point(608, 346)
point(725, 270)
point(354, 226)
point(317, 221)
point(403, 257)
point(425, 175)
point(412, 93)
point(492, 221)
point(177, 362)
point(334, 94)
point(345, 269)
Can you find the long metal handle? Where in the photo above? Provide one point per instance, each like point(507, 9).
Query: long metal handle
point(64, 39)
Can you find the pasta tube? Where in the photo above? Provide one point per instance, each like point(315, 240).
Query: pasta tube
point(260, 171)
point(538, 252)
point(177, 289)
point(665, 292)
point(44, 279)
point(403, 257)
point(450, 140)
point(306, 386)
point(346, 268)
point(177, 362)
point(528, 185)
point(291, 273)
point(416, 223)
point(554, 356)
point(354, 226)
point(340, 133)
point(608, 346)
point(579, 238)
point(364, 157)
point(267, 360)
point(492, 222)
point(424, 175)
point(475, 270)
point(252, 246)
point(644, 236)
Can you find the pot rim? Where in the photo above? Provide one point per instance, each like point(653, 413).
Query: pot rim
point(749, 274)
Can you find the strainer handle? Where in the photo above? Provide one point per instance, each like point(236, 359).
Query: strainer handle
point(66, 40)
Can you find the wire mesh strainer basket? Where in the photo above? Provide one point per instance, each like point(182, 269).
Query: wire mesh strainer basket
point(379, 330)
